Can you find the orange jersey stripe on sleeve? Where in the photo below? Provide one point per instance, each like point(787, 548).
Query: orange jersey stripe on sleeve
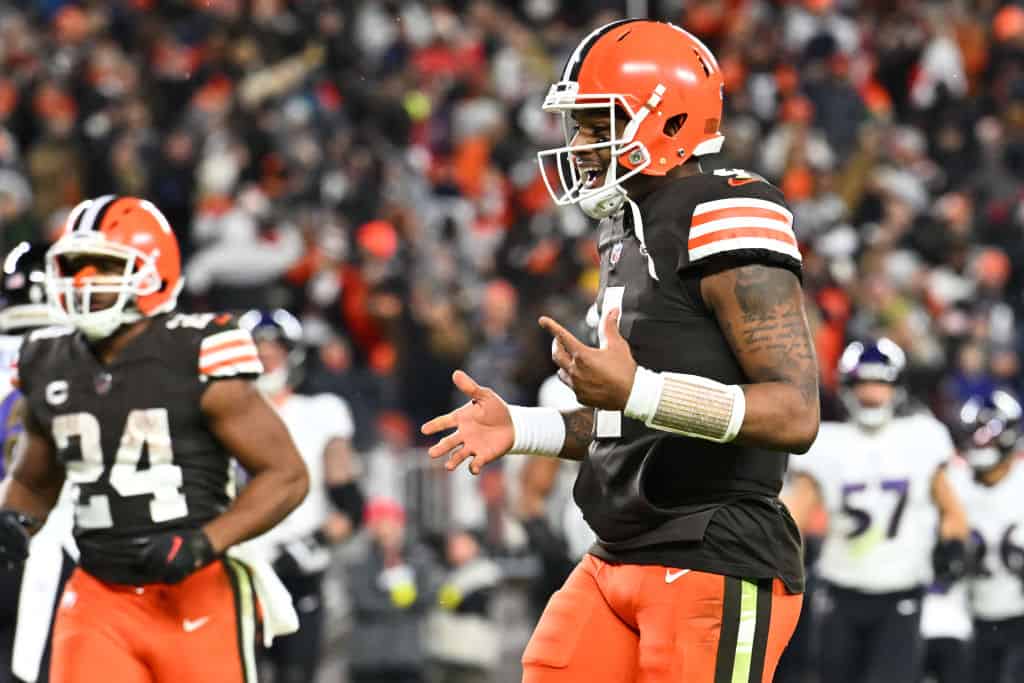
point(242, 363)
point(719, 235)
point(223, 346)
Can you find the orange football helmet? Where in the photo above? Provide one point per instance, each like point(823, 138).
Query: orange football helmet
point(115, 228)
point(657, 74)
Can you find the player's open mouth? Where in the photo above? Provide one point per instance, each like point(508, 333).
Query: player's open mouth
point(592, 176)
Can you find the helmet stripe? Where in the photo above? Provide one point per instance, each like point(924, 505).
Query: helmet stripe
point(572, 67)
point(702, 49)
point(71, 224)
point(90, 219)
point(151, 209)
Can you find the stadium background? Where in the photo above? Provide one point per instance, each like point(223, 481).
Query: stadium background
point(369, 166)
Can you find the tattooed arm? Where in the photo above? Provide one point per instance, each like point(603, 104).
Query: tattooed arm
point(579, 428)
point(761, 313)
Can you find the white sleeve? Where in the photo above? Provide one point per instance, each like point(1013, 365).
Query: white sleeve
point(960, 476)
point(336, 416)
point(941, 444)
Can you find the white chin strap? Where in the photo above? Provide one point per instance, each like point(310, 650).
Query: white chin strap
point(868, 418)
point(102, 324)
point(873, 418)
point(604, 202)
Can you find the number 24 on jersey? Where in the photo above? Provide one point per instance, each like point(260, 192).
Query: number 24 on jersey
point(162, 479)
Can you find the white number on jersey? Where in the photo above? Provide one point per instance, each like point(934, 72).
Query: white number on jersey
point(861, 517)
point(609, 422)
point(196, 321)
point(162, 479)
point(1003, 554)
point(737, 173)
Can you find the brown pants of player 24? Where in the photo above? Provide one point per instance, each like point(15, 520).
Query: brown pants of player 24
point(202, 630)
point(655, 624)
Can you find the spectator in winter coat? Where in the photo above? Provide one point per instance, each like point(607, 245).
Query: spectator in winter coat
point(464, 640)
point(391, 590)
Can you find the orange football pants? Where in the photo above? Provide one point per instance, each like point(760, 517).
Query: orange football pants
point(202, 629)
point(652, 624)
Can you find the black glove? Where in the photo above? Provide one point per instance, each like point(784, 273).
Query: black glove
point(170, 557)
point(14, 537)
point(949, 559)
point(348, 498)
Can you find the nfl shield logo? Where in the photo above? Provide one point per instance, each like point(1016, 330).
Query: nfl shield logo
point(103, 381)
point(613, 258)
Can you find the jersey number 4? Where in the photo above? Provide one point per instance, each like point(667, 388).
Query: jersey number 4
point(162, 479)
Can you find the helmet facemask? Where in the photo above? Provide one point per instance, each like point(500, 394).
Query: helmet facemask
point(985, 459)
point(871, 417)
point(72, 282)
point(608, 197)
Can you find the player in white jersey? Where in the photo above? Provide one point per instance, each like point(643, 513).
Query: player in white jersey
point(993, 494)
point(28, 593)
point(881, 478)
point(299, 546)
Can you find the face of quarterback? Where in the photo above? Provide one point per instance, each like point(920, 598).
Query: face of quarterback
point(593, 127)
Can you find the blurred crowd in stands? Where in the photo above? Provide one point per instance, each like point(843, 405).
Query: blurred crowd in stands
point(369, 165)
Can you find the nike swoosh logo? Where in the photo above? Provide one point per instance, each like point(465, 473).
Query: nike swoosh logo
point(736, 182)
point(192, 624)
point(671, 576)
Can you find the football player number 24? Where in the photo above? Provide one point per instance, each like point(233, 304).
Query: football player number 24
point(162, 479)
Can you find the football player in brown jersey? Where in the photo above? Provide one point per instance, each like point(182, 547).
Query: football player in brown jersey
point(703, 381)
point(144, 411)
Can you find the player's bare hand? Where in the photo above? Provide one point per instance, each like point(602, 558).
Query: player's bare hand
point(601, 377)
point(483, 427)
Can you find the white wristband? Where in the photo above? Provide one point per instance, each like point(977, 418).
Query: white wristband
point(687, 404)
point(643, 399)
point(538, 431)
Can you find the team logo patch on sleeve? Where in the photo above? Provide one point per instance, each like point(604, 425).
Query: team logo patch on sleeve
point(227, 354)
point(726, 225)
